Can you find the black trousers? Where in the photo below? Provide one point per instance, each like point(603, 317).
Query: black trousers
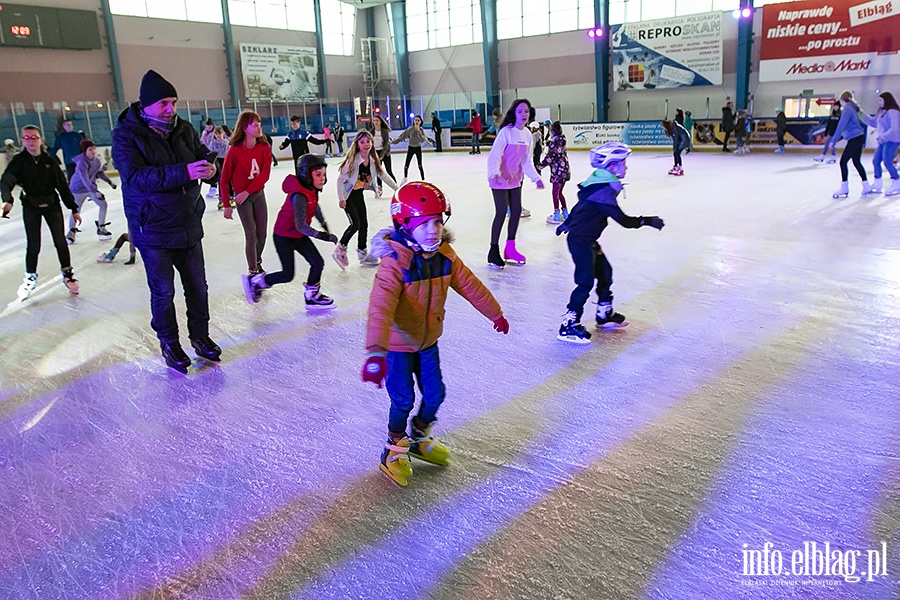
point(161, 264)
point(506, 200)
point(853, 151)
point(31, 217)
point(438, 142)
point(410, 152)
point(590, 264)
point(359, 220)
point(286, 247)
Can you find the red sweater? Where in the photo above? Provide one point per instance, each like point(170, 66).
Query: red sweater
point(245, 170)
point(475, 125)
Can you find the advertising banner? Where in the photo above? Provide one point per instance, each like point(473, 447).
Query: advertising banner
point(820, 39)
point(668, 53)
point(279, 72)
point(634, 133)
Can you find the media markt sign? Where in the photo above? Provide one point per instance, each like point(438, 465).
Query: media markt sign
point(821, 39)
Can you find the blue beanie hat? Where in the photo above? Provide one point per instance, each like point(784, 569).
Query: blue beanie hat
point(154, 88)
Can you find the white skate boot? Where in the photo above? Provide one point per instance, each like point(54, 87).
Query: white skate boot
point(894, 190)
point(28, 285)
point(843, 191)
point(868, 189)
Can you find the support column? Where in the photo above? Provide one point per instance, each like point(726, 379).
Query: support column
point(230, 65)
point(491, 50)
point(401, 47)
point(113, 47)
point(320, 51)
point(745, 45)
point(601, 59)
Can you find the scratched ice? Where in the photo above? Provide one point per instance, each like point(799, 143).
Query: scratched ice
point(752, 399)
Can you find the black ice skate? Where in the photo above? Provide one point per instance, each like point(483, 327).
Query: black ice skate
point(175, 357)
point(494, 257)
point(608, 318)
point(102, 233)
point(570, 330)
point(316, 300)
point(206, 348)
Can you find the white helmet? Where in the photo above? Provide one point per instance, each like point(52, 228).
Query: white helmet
point(608, 152)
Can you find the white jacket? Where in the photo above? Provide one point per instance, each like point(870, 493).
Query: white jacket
point(350, 173)
point(510, 155)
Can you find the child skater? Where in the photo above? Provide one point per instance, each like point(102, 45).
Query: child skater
point(43, 185)
point(381, 136)
point(887, 125)
point(852, 128)
point(355, 175)
point(679, 136)
point(830, 127)
point(596, 203)
point(218, 143)
point(416, 137)
point(294, 233)
point(406, 305)
point(510, 156)
point(83, 185)
point(558, 160)
point(245, 173)
point(108, 257)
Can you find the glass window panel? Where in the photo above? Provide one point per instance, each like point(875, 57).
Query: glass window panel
point(563, 20)
point(205, 11)
point(460, 35)
point(692, 7)
point(509, 28)
point(616, 13)
point(564, 4)
point(536, 25)
point(416, 24)
point(509, 9)
point(134, 8)
point(535, 7)
point(417, 41)
point(300, 15)
point(271, 15)
point(632, 11)
point(728, 5)
point(242, 12)
point(167, 9)
point(586, 17)
point(443, 37)
point(414, 7)
point(461, 18)
point(657, 9)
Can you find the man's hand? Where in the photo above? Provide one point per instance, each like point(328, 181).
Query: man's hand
point(201, 170)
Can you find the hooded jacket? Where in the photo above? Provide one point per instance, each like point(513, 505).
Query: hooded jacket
point(597, 203)
point(298, 210)
point(350, 173)
point(406, 306)
point(162, 203)
point(87, 170)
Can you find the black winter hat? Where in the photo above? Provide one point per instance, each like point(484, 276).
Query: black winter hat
point(154, 88)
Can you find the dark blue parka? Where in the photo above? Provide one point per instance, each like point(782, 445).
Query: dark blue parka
point(162, 204)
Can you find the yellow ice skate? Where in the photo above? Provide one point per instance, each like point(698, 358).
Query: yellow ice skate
point(424, 447)
point(395, 461)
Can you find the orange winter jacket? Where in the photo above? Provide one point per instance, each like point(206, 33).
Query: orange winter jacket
point(406, 306)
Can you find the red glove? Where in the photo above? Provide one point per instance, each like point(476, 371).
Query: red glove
point(501, 325)
point(374, 370)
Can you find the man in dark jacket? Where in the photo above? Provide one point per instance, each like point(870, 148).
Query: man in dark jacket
point(780, 129)
point(160, 160)
point(727, 124)
point(436, 130)
point(68, 141)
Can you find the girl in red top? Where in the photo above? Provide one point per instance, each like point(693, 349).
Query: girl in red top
point(476, 127)
point(244, 174)
point(293, 232)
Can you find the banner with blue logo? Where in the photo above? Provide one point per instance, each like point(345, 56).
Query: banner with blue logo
point(667, 53)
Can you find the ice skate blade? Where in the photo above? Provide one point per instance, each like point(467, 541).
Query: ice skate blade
point(319, 307)
point(496, 266)
point(421, 457)
point(573, 339)
point(515, 262)
point(612, 325)
point(839, 196)
point(396, 482)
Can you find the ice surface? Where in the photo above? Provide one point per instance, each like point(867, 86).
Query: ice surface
point(752, 399)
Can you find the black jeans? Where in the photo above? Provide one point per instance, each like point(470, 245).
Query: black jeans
point(503, 200)
point(286, 247)
point(725, 143)
point(853, 151)
point(438, 142)
point(160, 264)
point(31, 217)
point(410, 152)
point(70, 171)
point(386, 164)
point(590, 264)
point(359, 220)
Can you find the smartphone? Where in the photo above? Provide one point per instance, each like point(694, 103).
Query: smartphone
point(211, 157)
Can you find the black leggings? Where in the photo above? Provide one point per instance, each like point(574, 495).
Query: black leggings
point(676, 152)
point(506, 199)
point(386, 164)
point(410, 152)
point(359, 220)
point(31, 216)
point(286, 247)
point(853, 151)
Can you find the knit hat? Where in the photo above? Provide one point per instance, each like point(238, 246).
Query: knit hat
point(154, 88)
point(85, 144)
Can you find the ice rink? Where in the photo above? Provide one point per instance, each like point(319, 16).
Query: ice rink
point(754, 398)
